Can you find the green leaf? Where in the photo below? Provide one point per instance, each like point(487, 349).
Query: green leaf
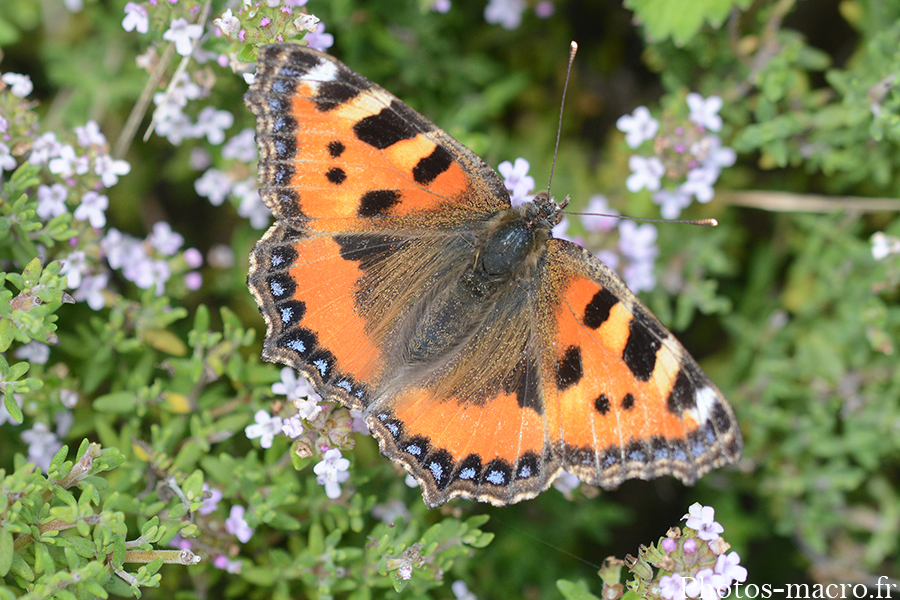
point(680, 21)
point(574, 591)
point(6, 551)
point(117, 402)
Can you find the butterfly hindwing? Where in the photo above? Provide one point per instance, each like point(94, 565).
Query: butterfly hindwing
point(623, 398)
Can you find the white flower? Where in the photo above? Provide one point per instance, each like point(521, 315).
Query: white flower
point(638, 242)
point(702, 519)
point(517, 180)
point(705, 112)
point(110, 169)
point(306, 22)
point(461, 590)
point(42, 445)
point(19, 85)
point(251, 206)
point(729, 567)
point(705, 585)
point(505, 13)
point(44, 148)
point(166, 241)
point(293, 427)
point(594, 222)
point(7, 161)
point(241, 147)
point(672, 587)
point(566, 482)
point(308, 408)
point(136, 18)
point(639, 276)
point(227, 23)
point(884, 245)
point(699, 183)
point(215, 185)
point(92, 209)
point(638, 127)
point(34, 352)
point(237, 526)
point(183, 34)
point(90, 135)
point(292, 386)
point(672, 202)
point(331, 472)
point(91, 291)
point(646, 173)
point(212, 123)
point(73, 267)
point(68, 163)
point(265, 428)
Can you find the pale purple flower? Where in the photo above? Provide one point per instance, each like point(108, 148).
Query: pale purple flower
point(461, 590)
point(109, 169)
point(64, 421)
point(567, 482)
point(291, 385)
point(410, 481)
point(594, 222)
point(638, 127)
point(672, 587)
point(306, 22)
point(405, 571)
point(193, 281)
point(639, 276)
point(136, 18)
point(251, 206)
point(7, 160)
point(42, 445)
point(90, 135)
point(318, 39)
point(146, 272)
point(241, 147)
point(215, 185)
point(220, 256)
point(265, 428)
point(729, 567)
point(226, 564)
point(212, 123)
point(358, 422)
point(92, 208)
point(705, 585)
point(669, 545)
point(34, 352)
point(391, 511)
point(19, 85)
point(51, 201)
point(544, 9)
point(237, 526)
point(166, 241)
point(199, 159)
point(672, 202)
point(193, 258)
point(505, 13)
point(884, 245)
point(118, 247)
point(638, 242)
point(702, 519)
point(228, 24)
point(646, 173)
point(183, 34)
point(91, 291)
point(68, 398)
point(68, 163)
point(211, 503)
point(609, 258)
point(44, 148)
point(4, 124)
point(172, 123)
point(714, 154)
point(517, 180)
point(293, 427)
point(74, 266)
point(308, 408)
point(690, 546)
point(331, 472)
point(705, 112)
point(441, 6)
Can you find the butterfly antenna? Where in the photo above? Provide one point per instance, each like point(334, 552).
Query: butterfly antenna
point(573, 48)
point(701, 222)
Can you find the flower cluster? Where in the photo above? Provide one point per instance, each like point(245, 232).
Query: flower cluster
point(884, 245)
point(687, 156)
point(506, 13)
point(633, 256)
point(317, 428)
point(693, 563)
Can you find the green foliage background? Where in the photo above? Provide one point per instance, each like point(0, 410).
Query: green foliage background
point(783, 304)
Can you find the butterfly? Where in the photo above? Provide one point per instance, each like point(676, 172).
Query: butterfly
point(488, 355)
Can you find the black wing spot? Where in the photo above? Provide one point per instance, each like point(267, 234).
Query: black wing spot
point(527, 466)
point(333, 94)
point(469, 469)
point(644, 339)
point(377, 202)
point(440, 465)
point(336, 175)
point(682, 396)
point(497, 472)
point(601, 404)
point(597, 310)
point(300, 340)
point(628, 401)
point(568, 369)
point(386, 128)
point(291, 312)
point(336, 148)
point(428, 168)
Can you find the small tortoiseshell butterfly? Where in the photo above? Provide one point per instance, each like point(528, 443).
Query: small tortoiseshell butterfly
point(488, 355)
